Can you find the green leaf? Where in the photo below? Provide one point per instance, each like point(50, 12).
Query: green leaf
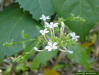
point(42, 58)
point(58, 66)
point(79, 55)
point(37, 7)
point(87, 9)
point(12, 22)
point(28, 51)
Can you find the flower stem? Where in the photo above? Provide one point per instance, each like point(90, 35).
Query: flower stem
point(59, 58)
point(45, 38)
point(53, 32)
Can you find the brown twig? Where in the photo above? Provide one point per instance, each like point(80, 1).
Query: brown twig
point(60, 57)
point(13, 69)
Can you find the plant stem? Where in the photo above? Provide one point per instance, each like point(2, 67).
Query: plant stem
point(13, 69)
point(59, 58)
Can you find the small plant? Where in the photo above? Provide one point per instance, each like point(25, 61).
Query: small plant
point(40, 33)
point(55, 38)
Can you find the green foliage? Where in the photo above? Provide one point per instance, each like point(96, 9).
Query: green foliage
point(42, 58)
point(12, 22)
point(19, 31)
point(87, 9)
point(28, 51)
point(58, 66)
point(37, 7)
point(80, 56)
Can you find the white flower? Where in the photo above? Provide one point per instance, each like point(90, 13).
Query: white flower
point(47, 24)
point(51, 25)
point(51, 46)
point(74, 36)
point(43, 32)
point(44, 18)
point(35, 48)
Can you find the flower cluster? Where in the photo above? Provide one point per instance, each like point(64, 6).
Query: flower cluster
point(52, 42)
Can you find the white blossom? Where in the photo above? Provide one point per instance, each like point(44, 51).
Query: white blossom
point(35, 48)
point(51, 25)
point(43, 32)
point(44, 18)
point(51, 46)
point(74, 36)
point(47, 24)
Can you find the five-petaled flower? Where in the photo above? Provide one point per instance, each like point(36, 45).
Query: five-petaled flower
point(43, 32)
point(51, 46)
point(74, 36)
point(44, 18)
point(51, 25)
